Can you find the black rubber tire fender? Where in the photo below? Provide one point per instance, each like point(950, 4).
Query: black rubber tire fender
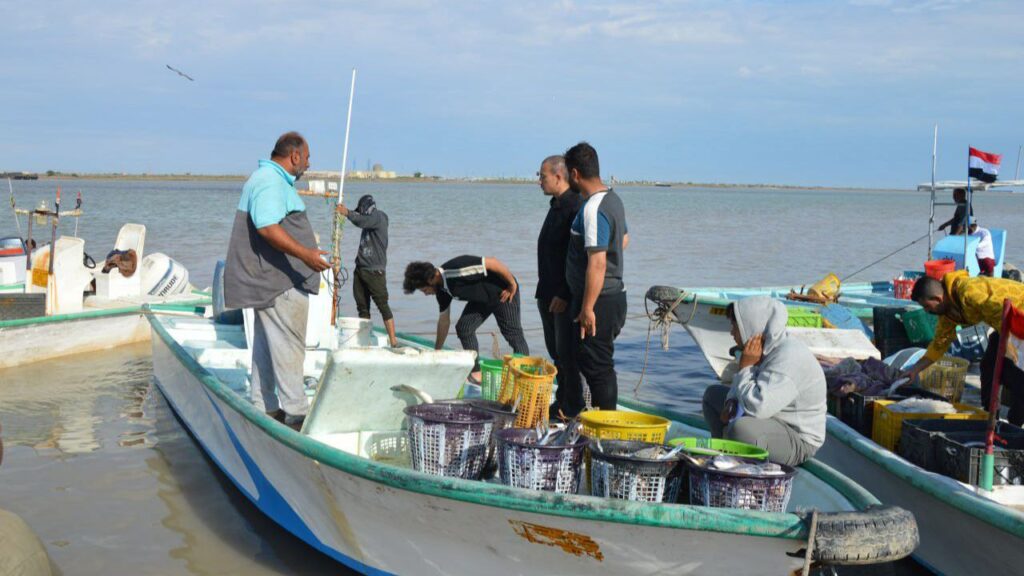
point(662, 294)
point(875, 535)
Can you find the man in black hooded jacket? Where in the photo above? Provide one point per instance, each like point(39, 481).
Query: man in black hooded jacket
point(370, 277)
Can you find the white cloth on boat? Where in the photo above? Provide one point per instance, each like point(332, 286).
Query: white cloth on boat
point(788, 384)
point(985, 248)
point(278, 353)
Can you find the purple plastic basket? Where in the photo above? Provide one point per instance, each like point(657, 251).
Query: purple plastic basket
point(449, 439)
point(724, 489)
point(504, 418)
point(524, 464)
point(615, 472)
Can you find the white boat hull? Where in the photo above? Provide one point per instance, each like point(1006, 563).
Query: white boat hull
point(710, 328)
point(953, 541)
point(35, 342)
point(381, 520)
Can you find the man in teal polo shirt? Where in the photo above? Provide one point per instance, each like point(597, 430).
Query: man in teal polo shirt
point(273, 265)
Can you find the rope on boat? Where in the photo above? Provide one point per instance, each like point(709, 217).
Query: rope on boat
point(883, 258)
point(661, 317)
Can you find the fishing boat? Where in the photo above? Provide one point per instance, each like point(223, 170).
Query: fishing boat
point(66, 304)
point(342, 487)
point(963, 530)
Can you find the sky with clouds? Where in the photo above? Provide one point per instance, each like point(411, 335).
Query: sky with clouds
point(790, 92)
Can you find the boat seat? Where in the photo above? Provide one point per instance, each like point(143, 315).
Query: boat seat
point(112, 285)
point(66, 292)
point(999, 247)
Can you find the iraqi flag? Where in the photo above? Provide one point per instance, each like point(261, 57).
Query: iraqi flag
point(983, 165)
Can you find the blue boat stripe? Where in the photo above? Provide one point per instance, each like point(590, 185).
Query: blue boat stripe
point(266, 490)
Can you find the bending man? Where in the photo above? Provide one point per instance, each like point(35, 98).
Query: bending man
point(961, 300)
point(487, 287)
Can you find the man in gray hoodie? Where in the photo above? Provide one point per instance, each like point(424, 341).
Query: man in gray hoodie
point(777, 398)
point(370, 277)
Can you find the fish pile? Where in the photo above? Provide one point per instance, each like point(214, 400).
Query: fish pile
point(735, 465)
point(922, 406)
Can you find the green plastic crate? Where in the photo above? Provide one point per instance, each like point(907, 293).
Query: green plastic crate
point(803, 318)
point(713, 446)
point(490, 378)
point(920, 325)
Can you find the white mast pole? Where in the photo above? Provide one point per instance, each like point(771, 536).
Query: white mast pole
point(931, 216)
point(338, 221)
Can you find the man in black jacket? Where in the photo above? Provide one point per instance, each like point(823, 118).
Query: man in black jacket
point(370, 277)
point(552, 294)
point(485, 284)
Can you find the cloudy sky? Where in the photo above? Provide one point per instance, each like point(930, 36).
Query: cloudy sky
point(793, 92)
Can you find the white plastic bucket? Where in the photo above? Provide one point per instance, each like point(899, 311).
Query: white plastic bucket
point(354, 332)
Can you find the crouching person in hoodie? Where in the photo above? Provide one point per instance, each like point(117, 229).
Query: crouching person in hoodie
point(777, 398)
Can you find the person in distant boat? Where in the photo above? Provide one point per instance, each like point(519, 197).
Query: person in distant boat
point(957, 224)
point(598, 237)
point(553, 294)
point(370, 278)
point(777, 398)
point(961, 300)
point(985, 253)
point(273, 265)
point(485, 284)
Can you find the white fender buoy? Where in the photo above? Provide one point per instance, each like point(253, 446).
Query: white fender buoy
point(21, 552)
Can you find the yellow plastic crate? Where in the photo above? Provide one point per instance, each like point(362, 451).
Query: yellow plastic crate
point(619, 425)
point(888, 425)
point(946, 377)
point(526, 384)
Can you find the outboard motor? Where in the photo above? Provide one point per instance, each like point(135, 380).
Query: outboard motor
point(163, 276)
point(12, 260)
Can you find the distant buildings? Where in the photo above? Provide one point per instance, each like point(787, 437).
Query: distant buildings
point(377, 173)
point(19, 176)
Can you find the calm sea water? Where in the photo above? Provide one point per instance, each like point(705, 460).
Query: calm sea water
point(101, 468)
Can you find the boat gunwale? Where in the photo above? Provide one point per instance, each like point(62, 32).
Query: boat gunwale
point(711, 296)
point(976, 505)
point(744, 522)
point(202, 299)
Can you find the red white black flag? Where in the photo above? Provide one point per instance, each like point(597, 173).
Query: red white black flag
point(983, 165)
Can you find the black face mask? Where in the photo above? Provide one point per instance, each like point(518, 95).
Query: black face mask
point(366, 205)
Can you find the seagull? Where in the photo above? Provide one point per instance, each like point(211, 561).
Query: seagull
point(180, 73)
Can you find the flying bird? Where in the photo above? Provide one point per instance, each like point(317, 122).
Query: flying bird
point(180, 73)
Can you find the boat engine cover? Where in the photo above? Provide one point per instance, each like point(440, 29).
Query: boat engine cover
point(163, 276)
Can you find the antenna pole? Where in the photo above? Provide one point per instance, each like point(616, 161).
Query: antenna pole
point(339, 222)
point(931, 215)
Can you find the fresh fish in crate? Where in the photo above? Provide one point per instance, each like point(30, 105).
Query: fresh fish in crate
point(648, 453)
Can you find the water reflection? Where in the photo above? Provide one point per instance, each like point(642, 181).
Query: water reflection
point(99, 466)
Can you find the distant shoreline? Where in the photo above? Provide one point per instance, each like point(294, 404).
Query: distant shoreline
point(442, 180)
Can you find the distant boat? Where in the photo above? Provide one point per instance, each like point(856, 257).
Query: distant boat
point(46, 315)
point(663, 184)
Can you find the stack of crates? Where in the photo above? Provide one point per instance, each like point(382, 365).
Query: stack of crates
point(888, 424)
point(955, 448)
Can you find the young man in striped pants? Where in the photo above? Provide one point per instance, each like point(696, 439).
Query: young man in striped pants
point(485, 284)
